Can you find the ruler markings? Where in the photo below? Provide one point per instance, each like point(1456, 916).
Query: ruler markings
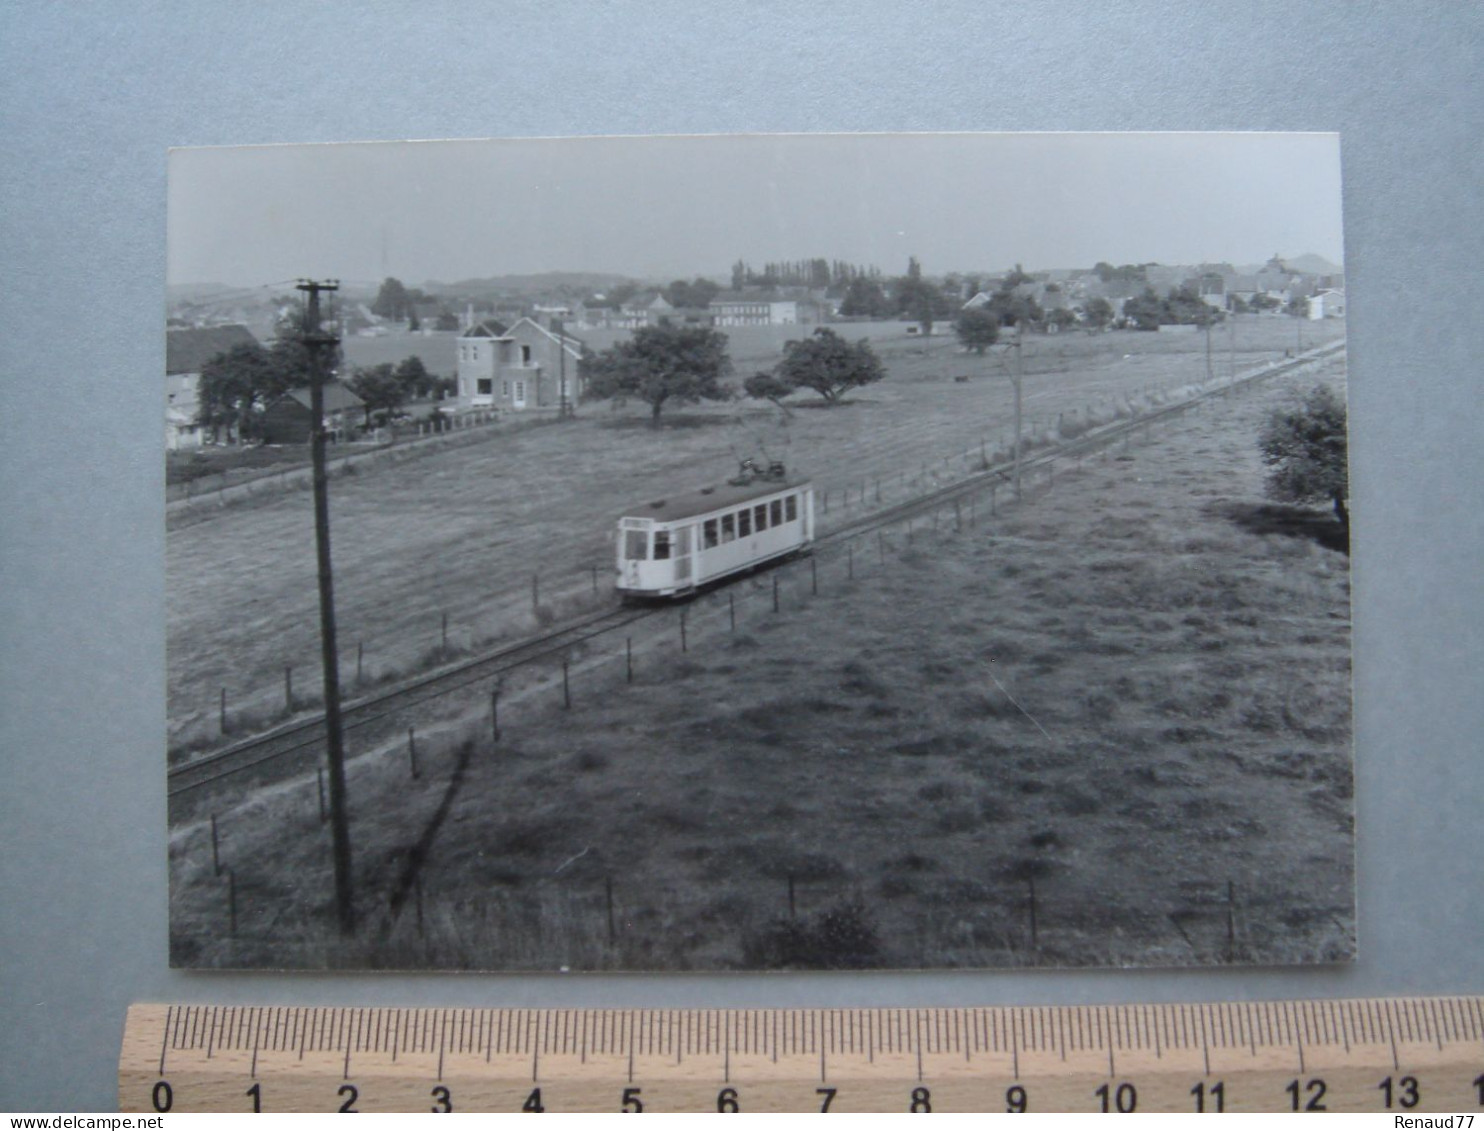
point(1432, 1013)
point(917, 1018)
point(1015, 1043)
point(165, 1038)
point(1471, 1011)
point(1205, 1040)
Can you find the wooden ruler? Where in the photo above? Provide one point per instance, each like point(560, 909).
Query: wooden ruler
point(1398, 1055)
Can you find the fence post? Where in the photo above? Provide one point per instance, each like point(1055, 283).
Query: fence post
point(216, 860)
point(445, 632)
point(360, 660)
point(732, 610)
point(223, 714)
point(535, 592)
point(850, 560)
point(683, 647)
point(992, 511)
point(288, 687)
point(566, 685)
point(813, 576)
point(775, 591)
point(412, 751)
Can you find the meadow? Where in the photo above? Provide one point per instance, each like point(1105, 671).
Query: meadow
point(471, 533)
point(1108, 725)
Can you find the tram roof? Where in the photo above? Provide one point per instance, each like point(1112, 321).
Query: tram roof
point(672, 508)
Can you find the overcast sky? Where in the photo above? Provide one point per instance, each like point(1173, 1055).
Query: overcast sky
point(671, 207)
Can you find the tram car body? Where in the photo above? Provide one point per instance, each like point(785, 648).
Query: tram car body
point(674, 545)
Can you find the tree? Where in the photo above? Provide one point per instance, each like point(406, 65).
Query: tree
point(1099, 312)
point(414, 377)
point(380, 388)
point(828, 364)
point(392, 301)
point(1012, 309)
point(917, 299)
point(232, 384)
point(977, 328)
point(660, 364)
point(765, 386)
point(1305, 446)
point(1061, 318)
point(1015, 278)
point(447, 320)
point(694, 294)
point(864, 298)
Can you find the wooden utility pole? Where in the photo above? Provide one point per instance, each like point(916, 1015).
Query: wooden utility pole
point(1019, 378)
point(319, 345)
point(566, 409)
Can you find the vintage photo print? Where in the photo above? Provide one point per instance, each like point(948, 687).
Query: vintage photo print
point(745, 553)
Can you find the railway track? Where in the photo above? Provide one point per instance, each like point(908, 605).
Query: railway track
point(297, 746)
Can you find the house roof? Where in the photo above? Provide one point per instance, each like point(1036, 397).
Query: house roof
point(489, 328)
point(186, 351)
point(729, 297)
point(337, 397)
point(570, 342)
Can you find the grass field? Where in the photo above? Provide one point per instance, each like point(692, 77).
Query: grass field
point(1107, 726)
point(463, 532)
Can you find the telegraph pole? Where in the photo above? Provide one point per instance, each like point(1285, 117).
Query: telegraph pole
point(319, 345)
point(1019, 379)
point(561, 334)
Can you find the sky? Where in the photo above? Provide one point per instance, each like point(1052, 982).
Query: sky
point(675, 207)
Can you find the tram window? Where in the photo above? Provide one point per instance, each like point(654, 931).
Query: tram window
point(710, 533)
point(760, 517)
point(728, 528)
point(744, 523)
point(661, 545)
point(792, 505)
point(636, 545)
point(776, 507)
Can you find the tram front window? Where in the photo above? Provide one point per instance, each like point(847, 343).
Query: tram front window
point(661, 545)
point(635, 545)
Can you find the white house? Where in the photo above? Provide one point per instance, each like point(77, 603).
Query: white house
point(517, 367)
point(1327, 304)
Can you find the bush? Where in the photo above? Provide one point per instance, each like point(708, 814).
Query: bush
point(841, 938)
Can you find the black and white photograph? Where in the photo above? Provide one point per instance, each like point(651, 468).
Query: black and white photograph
point(758, 553)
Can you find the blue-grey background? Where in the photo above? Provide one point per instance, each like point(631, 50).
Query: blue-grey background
point(92, 94)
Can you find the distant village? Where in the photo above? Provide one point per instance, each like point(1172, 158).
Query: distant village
point(515, 344)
